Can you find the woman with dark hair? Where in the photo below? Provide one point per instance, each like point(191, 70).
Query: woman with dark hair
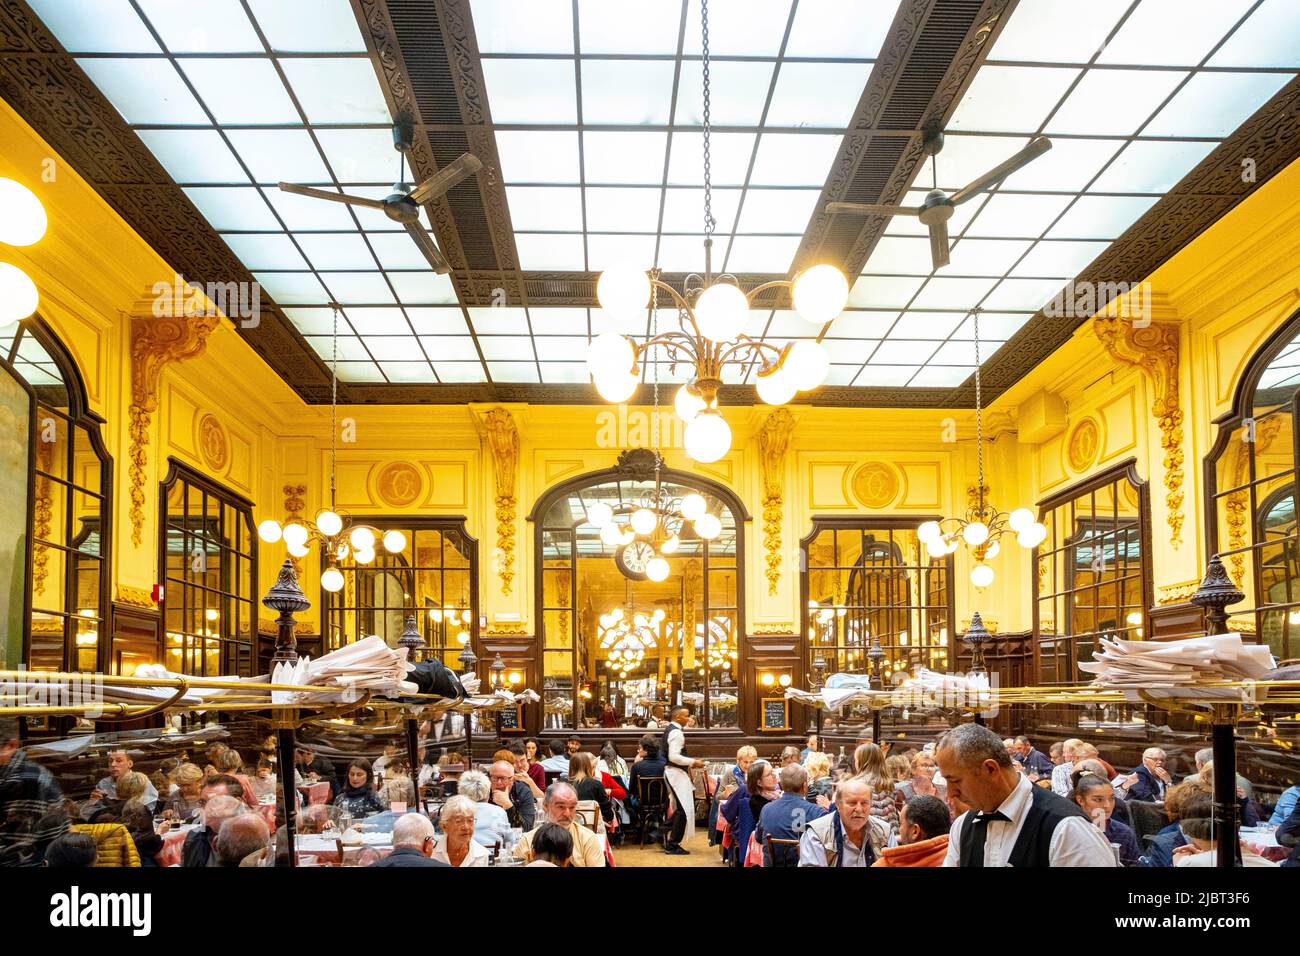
point(1096, 797)
point(71, 850)
point(613, 764)
point(742, 808)
point(552, 846)
point(358, 797)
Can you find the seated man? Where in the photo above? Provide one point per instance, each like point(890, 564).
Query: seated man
point(559, 758)
point(923, 825)
point(561, 807)
point(1034, 761)
point(31, 804)
point(1206, 755)
point(849, 836)
point(413, 841)
point(513, 796)
point(1149, 780)
point(119, 762)
point(787, 817)
point(200, 845)
point(1286, 805)
point(241, 836)
point(315, 769)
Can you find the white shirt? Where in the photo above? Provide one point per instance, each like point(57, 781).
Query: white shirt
point(1211, 858)
point(478, 854)
point(1075, 841)
point(1061, 778)
point(676, 744)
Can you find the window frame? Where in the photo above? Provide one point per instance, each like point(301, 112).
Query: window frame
point(1123, 471)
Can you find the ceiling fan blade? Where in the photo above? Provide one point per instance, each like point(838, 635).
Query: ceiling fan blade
point(447, 177)
point(939, 244)
point(416, 231)
point(871, 209)
point(1000, 172)
point(332, 197)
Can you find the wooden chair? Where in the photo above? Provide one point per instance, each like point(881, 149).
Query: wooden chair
point(1147, 819)
point(588, 814)
point(781, 853)
point(652, 797)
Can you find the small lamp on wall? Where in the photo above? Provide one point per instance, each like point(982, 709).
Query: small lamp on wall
point(498, 671)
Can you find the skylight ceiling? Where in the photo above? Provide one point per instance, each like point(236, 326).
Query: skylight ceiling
point(595, 110)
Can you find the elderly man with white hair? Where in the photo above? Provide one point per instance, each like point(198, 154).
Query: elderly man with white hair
point(413, 842)
point(1149, 780)
point(847, 836)
point(561, 806)
point(241, 836)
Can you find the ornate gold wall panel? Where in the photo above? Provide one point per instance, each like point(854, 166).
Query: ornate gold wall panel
point(773, 441)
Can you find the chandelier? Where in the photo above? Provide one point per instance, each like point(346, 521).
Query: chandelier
point(712, 312)
point(982, 527)
point(334, 531)
point(626, 634)
point(654, 527)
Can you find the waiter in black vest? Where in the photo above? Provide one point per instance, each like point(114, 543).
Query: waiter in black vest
point(677, 774)
point(1011, 822)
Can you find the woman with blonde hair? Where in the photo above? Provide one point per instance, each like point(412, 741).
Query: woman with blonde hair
point(869, 766)
point(920, 781)
point(182, 804)
point(820, 784)
point(899, 767)
point(582, 777)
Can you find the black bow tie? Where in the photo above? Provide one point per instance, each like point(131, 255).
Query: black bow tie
point(975, 834)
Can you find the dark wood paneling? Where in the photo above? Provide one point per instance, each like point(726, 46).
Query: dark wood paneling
point(1173, 622)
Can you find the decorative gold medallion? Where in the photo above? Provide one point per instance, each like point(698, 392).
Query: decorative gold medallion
point(212, 442)
point(875, 484)
point(1085, 441)
point(399, 483)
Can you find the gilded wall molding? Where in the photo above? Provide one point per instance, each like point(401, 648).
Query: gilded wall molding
point(507, 630)
point(156, 342)
point(133, 597)
point(1237, 504)
point(503, 442)
point(773, 442)
point(294, 505)
point(42, 515)
point(1154, 349)
point(1176, 593)
point(778, 629)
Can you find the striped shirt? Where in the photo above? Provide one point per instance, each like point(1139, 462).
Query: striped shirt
point(31, 811)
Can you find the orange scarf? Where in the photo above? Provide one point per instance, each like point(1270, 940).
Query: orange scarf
point(926, 853)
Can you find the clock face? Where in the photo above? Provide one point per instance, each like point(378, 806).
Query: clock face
point(633, 558)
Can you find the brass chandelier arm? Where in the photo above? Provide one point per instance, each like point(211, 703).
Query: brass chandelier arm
point(679, 300)
point(745, 343)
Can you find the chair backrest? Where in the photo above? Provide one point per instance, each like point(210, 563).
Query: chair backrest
point(589, 814)
point(651, 791)
point(1147, 818)
point(782, 852)
point(551, 776)
point(450, 788)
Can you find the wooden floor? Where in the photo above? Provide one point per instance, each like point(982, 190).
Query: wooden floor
point(653, 854)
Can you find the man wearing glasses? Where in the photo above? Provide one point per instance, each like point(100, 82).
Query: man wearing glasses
point(513, 796)
point(1149, 781)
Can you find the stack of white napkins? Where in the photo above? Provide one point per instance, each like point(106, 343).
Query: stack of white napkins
point(344, 674)
point(1186, 663)
point(502, 698)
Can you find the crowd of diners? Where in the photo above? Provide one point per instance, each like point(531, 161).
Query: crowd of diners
point(967, 798)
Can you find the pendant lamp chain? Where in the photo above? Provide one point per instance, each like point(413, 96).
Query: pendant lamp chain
point(979, 411)
point(709, 222)
point(334, 403)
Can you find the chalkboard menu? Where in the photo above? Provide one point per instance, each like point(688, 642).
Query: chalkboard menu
point(508, 720)
point(776, 714)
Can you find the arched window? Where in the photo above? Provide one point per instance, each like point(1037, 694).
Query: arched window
point(1093, 575)
point(609, 634)
point(71, 482)
point(1250, 478)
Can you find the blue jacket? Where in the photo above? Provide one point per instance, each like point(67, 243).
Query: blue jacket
point(1147, 786)
point(1288, 834)
point(1122, 834)
point(1285, 805)
point(741, 820)
point(1161, 851)
point(1037, 762)
point(785, 819)
point(649, 767)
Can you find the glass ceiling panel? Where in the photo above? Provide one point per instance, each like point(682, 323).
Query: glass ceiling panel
point(1151, 167)
point(626, 92)
point(777, 210)
point(1268, 38)
point(840, 28)
point(684, 208)
point(628, 26)
point(544, 252)
point(1187, 29)
point(539, 157)
point(738, 91)
point(240, 208)
point(308, 26)
point(275, 155)
point(794, 159)
point(1113, 102)
point(625, 158)
point(730, 154)
point(202, 26)
point(261, 250)
point(1012, 99)
point(98, 26)
point(378, 321)
point(523, 26)
point(531, 91)
point(337, 90)
point(145, 90)
point(241, 91)
point(625, 209)
point(1215, 104)
point(1062, 31)
point(194, 155)
point(817, 94)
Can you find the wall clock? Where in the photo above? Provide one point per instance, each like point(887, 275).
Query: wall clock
point(633, 558)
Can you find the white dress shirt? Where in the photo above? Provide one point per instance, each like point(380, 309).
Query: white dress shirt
point(1075, 841)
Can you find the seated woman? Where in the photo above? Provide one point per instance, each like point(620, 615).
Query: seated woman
point(899, 768)
point(491, 823)
point(183, 803)
point(611, 763)
point(582, 769)
point(1202, 848)
point(869, 765)
point(921, 783)
point(1096, 797)
point(820, 784)
point(1247, 813)
point(263, 780)
point(130, 786)
point(1160, 851)
point(358, 796)
point(397, 786)
point(457, 846)
point(743, 807)
point(552, 846)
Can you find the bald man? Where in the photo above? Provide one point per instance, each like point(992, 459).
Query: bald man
point(240, 837)
point(513, 796)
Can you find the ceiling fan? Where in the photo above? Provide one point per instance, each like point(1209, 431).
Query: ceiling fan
point(403, 203)
point(937, 207)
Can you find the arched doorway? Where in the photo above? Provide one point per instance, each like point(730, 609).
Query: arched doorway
point(616, 647)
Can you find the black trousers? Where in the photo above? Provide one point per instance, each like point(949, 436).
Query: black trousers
point(676, 825)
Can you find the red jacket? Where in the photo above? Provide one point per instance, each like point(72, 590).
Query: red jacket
point(929, 852)
point(613, 786)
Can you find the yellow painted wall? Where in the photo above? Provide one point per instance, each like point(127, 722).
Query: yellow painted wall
point(1226, 293)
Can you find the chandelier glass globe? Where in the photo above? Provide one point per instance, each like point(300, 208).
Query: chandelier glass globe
point(708, 437)
point(670, 545)
point(18, 295)
point(808, 365)
point(617, 386)
point(329, 523)
point(1032, 536)
point(363, 539)
point(693, 505)
point(298, 550)
point(775, 387)
point(331, 579)
point(656, 569)
point(600, 514)
point(364, 555)
point(609, 352)
point(270, 531)
point(975, 533)
point(688, 403)
point(722, 311)
point(1020, 519)
point(929, 531)
point(295, 535)
point(611, 534)
point(623, 290)
point(394, 541)
point(981, 576)
point(708, 526)
point(22, 217)
point(820, 293)
point(644, 521)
